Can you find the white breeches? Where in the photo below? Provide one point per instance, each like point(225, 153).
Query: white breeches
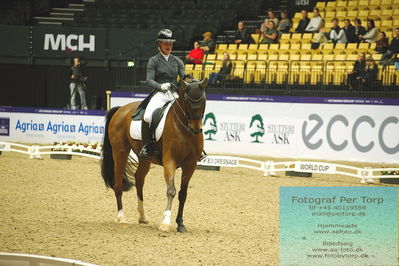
point(157, 101)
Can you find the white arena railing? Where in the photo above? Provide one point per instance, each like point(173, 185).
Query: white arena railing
point(7, 259)
point(269, 168)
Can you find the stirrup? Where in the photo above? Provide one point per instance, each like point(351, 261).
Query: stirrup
point(202, 156)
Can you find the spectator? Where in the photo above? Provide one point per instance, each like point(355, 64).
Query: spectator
point(382, 43)
point(284, 24)
point(263, 26)
point(359, 29)
point(78, 84)
point(196, 55)
point(224, 70)
point(270, 35)
point(303, 23)
point(316, 23)
point(272, 17)
point(242, 35)
point(336, 35)
point(370, 74)
point(208, 44)
point(371, 34)
point(356, 76)
point(350, 33)
point(392, 49)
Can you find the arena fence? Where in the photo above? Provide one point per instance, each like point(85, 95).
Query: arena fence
point(268, 168)
point(35, 260)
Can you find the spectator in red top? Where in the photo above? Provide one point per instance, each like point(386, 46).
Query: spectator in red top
point(196, 55)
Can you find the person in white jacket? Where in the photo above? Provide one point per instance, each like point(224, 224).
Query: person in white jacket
point(371, 34)
point(316, 23)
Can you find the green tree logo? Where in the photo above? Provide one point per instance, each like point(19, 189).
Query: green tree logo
point(257, 128)
point(210, 126)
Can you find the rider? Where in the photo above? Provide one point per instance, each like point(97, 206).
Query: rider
point(162, 72)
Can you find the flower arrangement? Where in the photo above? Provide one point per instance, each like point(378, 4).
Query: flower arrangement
point(392, 172)
point(78, 147)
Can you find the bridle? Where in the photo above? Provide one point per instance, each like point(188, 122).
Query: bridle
point(188, 115)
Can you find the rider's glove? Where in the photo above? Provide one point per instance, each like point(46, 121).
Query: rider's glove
point(165, 86)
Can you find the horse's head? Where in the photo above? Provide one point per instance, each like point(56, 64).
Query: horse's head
point(194, 97)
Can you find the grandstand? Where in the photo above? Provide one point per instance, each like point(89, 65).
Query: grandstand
point(124, 34)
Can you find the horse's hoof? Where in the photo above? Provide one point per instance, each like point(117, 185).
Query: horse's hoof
point(181, 229)
point(164, 227)
point(121, 220)
point(143, 221)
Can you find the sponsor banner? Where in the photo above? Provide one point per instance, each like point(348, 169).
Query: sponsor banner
point(220, 161)
point(46, 126)
point(312, 167)
point(53, 41)
point(344, 129)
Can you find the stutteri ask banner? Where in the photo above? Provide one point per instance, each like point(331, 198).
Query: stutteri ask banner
point(28, 125)
point(299, 127)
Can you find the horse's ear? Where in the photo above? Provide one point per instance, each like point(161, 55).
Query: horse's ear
point(204, 83)
point(183, 84)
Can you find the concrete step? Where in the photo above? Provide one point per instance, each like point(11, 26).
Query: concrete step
point(76, 5)
point(61, 14)
point(67, 10)
point(50, 23)
point(52, 19)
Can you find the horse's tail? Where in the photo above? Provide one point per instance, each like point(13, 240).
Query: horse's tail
point(107, 161)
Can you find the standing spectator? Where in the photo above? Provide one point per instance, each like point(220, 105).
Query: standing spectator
point(271, 16)
point(371, 34)
point(77, 85)
point(224, 70)
point(356, 76)
point(242, 35)
point(270, 35)
point(196, 55)
point(350, 33)
point(303, 23)
point(392, 49)
point(359, 30)
point(316, 23)
point(208, 44)
point(382, 43)
point(284, 24)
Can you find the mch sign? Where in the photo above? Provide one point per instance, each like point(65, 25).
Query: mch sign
point(74, 42)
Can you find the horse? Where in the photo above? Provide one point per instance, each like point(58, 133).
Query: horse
point(181, 145)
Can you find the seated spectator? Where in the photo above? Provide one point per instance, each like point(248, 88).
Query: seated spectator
point(303, 23)
point(242, 35)
point(350, 33)
point(336, 34)
point(272, 16)
point(208, 45)
point(316, 23)
point(370, 74)
point(284, 24)
point(371, 34)
point(392, 49)
point(356, 76)
point(359, 29)
point(382, 43)
point(196, 55)
point(224, 70)
point(270, 35)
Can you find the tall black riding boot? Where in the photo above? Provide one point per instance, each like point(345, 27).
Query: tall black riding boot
point(146, 151)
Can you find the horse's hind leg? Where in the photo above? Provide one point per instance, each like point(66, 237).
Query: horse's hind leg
point(141, 172)
point(120, 158)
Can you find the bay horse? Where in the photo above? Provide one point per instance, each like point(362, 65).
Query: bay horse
point(181, 145)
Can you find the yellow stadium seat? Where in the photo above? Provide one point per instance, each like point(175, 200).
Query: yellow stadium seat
point(375, 13)
point(241, 57)
point(340, 46)
point(208, 69)
point(252, 57)
point(272, 57)
point(364, 3)
point(353, 3)
point(316, 57)
point(232, 48)
point(329, 15)
point(284, 57)
point(250, 72)
point(262, 57)
point(351, 57)
point(375, 3)
point(296, 36)
point(386, 23)
point(295, 57)
point(385, 2)
point(285, 36)
point(274, 46)
point(233, 56)
point(331, 4)
point(351, 46)
point(340, 57)
point(242, 49)
point(351, 14)
point(263, 46)
point(285, 46)
point(363, 46)
point(295, 46)
point(219, 56)
point(341, 14)
point(197, 72)
point(328, 46)
point(257, 37)
point(221, 47)
point(298, 15)
point(363, 14)
point(341, 3)
point(238, 70)
point(306, 46)
point(321, 4)
point(211, 57)
point(253, 46)
point(376, 57)
point(189, 68)
point(396, 23)
point(260, 72)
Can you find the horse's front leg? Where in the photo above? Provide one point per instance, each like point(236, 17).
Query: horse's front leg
point(169, 174)
point(186, 175)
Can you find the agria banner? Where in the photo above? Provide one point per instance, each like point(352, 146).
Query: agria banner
point(30, 125)
point(298, 127)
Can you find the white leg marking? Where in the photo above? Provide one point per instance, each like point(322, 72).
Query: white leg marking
point(166, 219)
point(121, 217)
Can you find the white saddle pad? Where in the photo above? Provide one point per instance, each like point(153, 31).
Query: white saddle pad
point(135, 126)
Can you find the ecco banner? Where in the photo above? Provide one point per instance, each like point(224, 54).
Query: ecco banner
point(87, 42)
point(46, 126)
point(299, 127)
